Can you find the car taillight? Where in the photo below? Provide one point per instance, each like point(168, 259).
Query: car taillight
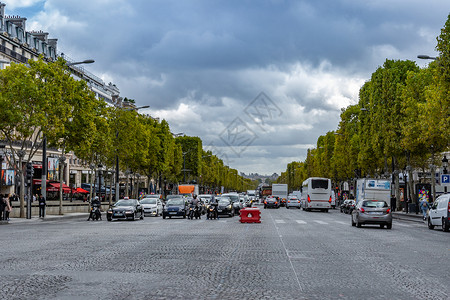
point(329, 200)
point(362, 210)
point(449, 206)
point(388, 210)
point(309, 199)
point(289, 201)
point(276, 202)
point(265, 202)
point(298, 201)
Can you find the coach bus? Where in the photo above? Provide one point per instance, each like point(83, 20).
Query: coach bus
point(316, 194)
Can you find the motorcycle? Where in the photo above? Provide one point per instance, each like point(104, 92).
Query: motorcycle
point(212, 212)
point(194, 211)
point(95, 213)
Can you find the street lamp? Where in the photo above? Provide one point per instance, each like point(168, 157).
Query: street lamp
point(86, 61)
point(422, 56)
point(444, 167)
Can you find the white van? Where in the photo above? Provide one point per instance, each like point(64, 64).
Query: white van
point(316, 194)
point(439, 214)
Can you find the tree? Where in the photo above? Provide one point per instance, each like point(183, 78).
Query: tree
point(37, 101)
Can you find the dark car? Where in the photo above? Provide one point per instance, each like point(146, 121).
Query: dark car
point(175, 207)
point(225, 206)
point(272, 202)
point(125, 209)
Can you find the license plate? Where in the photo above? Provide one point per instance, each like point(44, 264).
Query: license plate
point(219, 210)
point(173, 212)
point(376, 213)
point(117, 214)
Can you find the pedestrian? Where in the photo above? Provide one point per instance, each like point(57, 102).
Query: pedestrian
point(8, 207)
point(34, 198)
point(2, 207)
point(41, 206)
point(425, 206)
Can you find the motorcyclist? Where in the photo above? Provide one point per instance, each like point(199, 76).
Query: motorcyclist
point(95, 214)
point(214, 203)
point(195, 204)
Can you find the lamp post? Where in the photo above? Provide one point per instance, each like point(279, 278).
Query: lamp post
point(444, 169)
point(422, 56)
point(100, 171)
point(117, 192)
point(62, 161)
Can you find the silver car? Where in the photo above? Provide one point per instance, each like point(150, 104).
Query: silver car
point(293, 201)
point(152, 206)
point(372, 212)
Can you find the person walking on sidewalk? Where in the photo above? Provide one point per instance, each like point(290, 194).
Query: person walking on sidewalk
point(41, 206)
point(424, 206)
point(8, 207)
point(2, 207)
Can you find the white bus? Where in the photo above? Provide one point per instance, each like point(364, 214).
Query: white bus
point(316, 194)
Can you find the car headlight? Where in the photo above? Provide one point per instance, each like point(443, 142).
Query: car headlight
point(130, 211)
point(229, 206)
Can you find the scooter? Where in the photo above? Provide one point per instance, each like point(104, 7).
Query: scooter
point(95, 213)
point(212, 212)
point(194, 212)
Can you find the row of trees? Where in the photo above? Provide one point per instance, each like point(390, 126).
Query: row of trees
point(42, 100)
point(400, 123)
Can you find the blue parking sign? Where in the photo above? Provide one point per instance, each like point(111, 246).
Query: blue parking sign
point(445, 179)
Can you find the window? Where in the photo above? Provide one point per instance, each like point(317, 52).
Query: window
point(319, 183)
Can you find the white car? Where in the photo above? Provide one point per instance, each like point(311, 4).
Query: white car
point(292, 201)
point(439, 214)
point(152, 206)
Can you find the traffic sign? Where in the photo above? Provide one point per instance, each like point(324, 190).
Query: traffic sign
point(445, 179)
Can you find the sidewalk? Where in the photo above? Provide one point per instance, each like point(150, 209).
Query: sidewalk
point(35, 219)
point(413, 217)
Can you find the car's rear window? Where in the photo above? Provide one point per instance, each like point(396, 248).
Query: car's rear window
point(374, 204)
point(319, 184)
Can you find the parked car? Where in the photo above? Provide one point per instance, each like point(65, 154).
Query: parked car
point(272, 202)
point(152, 206)
point(293, 201)
point(125, 209)
point(372, 212)
point(225, 206)
point(175, 207)
point(439, 213)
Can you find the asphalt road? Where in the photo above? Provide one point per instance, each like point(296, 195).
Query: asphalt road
point(292, 254)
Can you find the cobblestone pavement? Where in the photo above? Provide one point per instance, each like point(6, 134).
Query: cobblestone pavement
point(292, 254)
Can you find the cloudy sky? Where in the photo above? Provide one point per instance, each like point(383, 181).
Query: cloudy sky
point(258, 81)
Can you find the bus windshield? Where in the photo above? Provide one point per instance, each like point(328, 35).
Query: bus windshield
point(319, 183)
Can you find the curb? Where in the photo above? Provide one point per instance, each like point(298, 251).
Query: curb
point(413, 218)
point(46, 219)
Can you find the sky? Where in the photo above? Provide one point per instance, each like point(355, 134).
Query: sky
point(258, 81)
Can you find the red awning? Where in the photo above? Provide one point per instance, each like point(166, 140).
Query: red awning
point(81, 191)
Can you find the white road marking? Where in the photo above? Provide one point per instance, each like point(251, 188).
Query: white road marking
point(341, 222)
point(321, 222)
point(280, 221)
point(300, 222)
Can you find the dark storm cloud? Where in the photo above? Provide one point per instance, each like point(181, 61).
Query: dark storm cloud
point(199, 63)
